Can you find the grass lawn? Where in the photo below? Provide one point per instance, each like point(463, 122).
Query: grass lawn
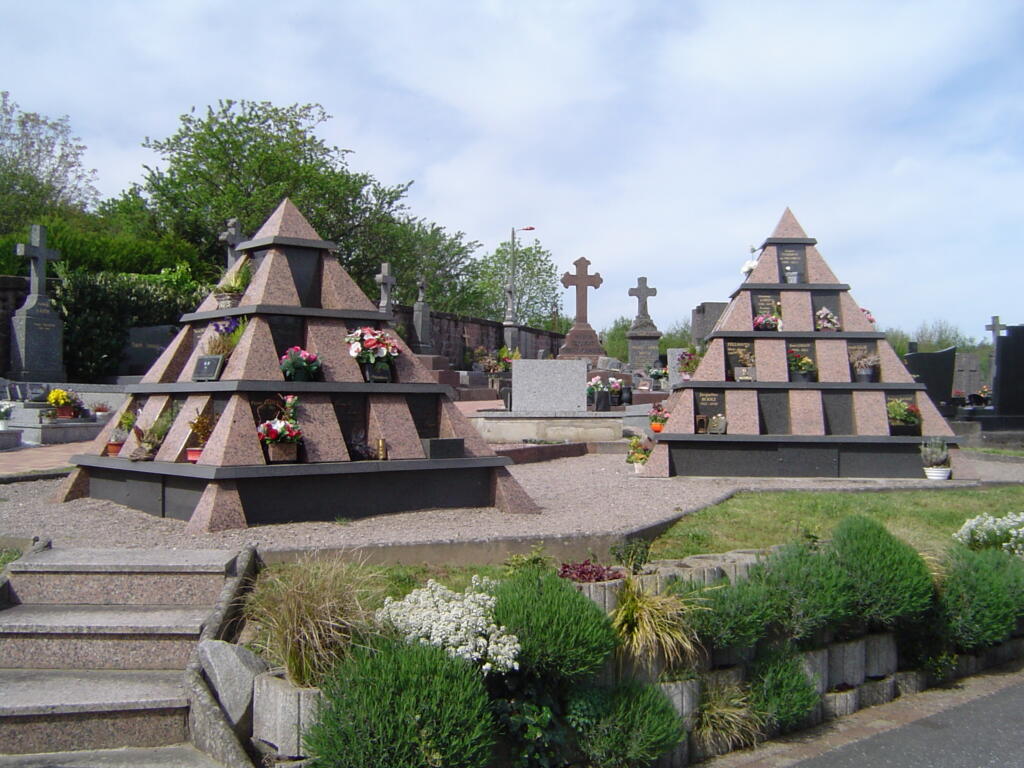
point(924, 519)
point(7, 555)
point(400, 580)
point(998, 451)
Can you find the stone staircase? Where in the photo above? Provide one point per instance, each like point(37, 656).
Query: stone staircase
point(93, 648)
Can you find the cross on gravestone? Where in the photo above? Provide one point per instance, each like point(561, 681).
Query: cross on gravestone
point(642, 293)
point(581, 281)
point(232, 236)
point(387, 284)
point(38, 254)
point(996, 327)
point(421, 289)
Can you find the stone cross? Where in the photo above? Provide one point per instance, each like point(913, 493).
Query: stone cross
point(642, 293)
point(582, 280)
point(232, 236)
point(38, 254)
point(387, 284)
point(995, 326)
point(421, 288)
point(510, 303)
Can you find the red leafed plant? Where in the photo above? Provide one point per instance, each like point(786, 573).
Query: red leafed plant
point(588, 572)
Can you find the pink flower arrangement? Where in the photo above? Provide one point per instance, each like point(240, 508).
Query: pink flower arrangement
point(368, 345)
point(284, 428)
point(297, 359)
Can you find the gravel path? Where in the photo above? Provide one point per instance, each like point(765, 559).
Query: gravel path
point(590, 494)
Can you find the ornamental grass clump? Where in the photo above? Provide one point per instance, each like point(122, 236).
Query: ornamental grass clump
point(402, 704)
point(811, 593)
point(309, 614)
point(737, 615)
point(779, 689)
point(563, 636)
point(628, 726)
point(462, 623)
point(654, 628)
point(890, 581)
point(726, 719)
point(980, 597)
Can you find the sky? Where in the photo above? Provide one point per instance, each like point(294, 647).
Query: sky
point(660, 139)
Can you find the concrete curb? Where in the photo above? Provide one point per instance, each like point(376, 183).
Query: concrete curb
point(46, 474)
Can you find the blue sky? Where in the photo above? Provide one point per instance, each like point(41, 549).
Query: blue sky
point(654, 138)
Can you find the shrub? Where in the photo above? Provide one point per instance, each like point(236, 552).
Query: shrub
point(633, 553)
point(653, 627)
point(309, 613)
point(629, 726)
point(537, 558)
point(889, 579)
point(586, 572)
point(979, 597)
point(401, 704)
point(779, 689)
point(737, 615)
point(563, 635)
point(726, 720)
point(985, 531)
point(810, 591)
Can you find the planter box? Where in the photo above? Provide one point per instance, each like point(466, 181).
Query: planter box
point(281, 713)
point(875, 692)
point(685, 697)
point(840, 703)
point(815, 666)
point(911, 682)
point(846, 663)
point(880, 655)
point(604, 593)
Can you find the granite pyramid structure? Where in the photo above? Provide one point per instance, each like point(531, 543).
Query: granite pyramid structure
point(299, 295)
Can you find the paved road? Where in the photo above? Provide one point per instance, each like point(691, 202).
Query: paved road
point(984, 733)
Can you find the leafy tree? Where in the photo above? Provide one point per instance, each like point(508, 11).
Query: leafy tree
point(613, 338)
point(678, 336)
point(536, 284)
point(41, 170)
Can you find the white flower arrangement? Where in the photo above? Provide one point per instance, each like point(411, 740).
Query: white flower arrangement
point(748, 266)
point(985, 531)
point(460, 622)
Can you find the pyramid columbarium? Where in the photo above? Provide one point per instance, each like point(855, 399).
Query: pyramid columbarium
point(746, 413)
point(299, 295)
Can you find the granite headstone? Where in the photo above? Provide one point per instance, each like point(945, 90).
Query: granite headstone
point(1007, 392)
point(549, 385)
point(935, 371)
point(37, 347)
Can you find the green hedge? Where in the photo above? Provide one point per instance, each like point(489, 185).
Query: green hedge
point(980, 598)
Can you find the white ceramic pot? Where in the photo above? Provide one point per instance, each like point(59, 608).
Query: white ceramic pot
point(937, 473)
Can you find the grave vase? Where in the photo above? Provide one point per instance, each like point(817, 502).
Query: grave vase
point(656, 385)
point(905, 430)
point(801, 376)
point(376, 373)
point(299, 374)
point(282, 453)
point(937, 473)
point(602, 400)
point(590, 397)
point(114, 448)
point(865, 376)
point(193, 454)
point(615, 396)
point(65, 411)
point(627, 395)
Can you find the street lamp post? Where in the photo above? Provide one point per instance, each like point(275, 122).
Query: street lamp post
point(510, 287)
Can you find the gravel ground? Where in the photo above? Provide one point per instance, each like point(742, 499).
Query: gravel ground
point(590, 494)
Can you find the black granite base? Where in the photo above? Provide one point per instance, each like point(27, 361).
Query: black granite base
point(989, 420)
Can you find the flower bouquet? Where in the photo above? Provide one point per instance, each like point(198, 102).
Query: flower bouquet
point(767, 323)
point(687, 363)
point(299, 365)
point(826, 320)
point(374, 350)
point(282, 434)
point(801, 367)
point(65, 401)
point(658, 416)
point(904, 418)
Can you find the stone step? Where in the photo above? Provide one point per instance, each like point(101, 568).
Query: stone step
point(47, 710)
point(177, 756)
point(121, 577)
point(476, 393)
point(98, 637)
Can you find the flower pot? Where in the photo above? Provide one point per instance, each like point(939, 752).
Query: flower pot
point(227, 300)
point(864, 377)
point(65, 411)
point(114, 448)
point(801, 376)
point(193, 454)
point(615, 397)
point(637, 467)
point(299, 374)
point(657, 426)
point(905, 430)
point(655, 385)
point(937, 473)
point(627, 395)
point(376, 373)
point(602, 401)
point(282, 453)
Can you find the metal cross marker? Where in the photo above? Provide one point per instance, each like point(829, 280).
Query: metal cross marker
point(642, 293)
point(232, 236)
point(582, 280)
point(386, 283)
point(38, 254)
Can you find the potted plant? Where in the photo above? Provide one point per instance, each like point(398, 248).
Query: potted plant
point(281, 435)
point(658, 416)
point(153, 438)
point(375, 351)
point(5, 414)
point(298, 364)
point(657, 374)
point(229, 291)
point(801, 367)
point(826, 320)
point(904, 417)
point(121, 431)
point(772, 322)
point(602, 397)
point(687, 363)
point(935, 457)
point(865, 364)
point(202, 427)
point(746, 370)
point(228, 333)
point(614, 391)
point(65, 401)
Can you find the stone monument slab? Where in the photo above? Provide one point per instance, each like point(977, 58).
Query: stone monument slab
point(37, 332)
point(549, 385)
point(582, 340)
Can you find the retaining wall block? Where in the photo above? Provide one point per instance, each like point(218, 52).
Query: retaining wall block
point(840, 703)
point(910, 682)
point(875, 692)
point(846, 663)
point(880, 654)
point(815, 666)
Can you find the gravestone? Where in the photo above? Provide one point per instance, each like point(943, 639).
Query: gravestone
point(231, 237)
point(421, 320)
point(387, 284)
point(643, 335)
point(549, 386)
point(935, 371)
point(1007, 392)
point(967, 373)
point(37, 347)
point(675, 377)
point(145, 344)
point(703, 319)
point(581, 341)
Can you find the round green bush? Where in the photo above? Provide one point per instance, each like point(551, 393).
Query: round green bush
point(890, 581)
point(979, 599)
point(563, 635)
point(629, 726)
point(780, 690)
point(403, 704)
point(737, 615)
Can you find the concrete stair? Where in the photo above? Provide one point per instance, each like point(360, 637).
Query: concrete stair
point(93, 647)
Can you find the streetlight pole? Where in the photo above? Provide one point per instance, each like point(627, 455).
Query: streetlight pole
point(510, 313)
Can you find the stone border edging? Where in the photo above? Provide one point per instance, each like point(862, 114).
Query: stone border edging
point(48, 474)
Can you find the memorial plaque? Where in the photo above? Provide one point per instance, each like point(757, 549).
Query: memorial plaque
point(740, 354)
point(802, 348)
point(907, 397)
point(861, 348)
point(709, 402)
point(793, 261)
point(208, 368)
point(765, 302)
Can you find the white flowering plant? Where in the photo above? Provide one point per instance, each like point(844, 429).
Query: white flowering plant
point(985, 532)
point(460, 622)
